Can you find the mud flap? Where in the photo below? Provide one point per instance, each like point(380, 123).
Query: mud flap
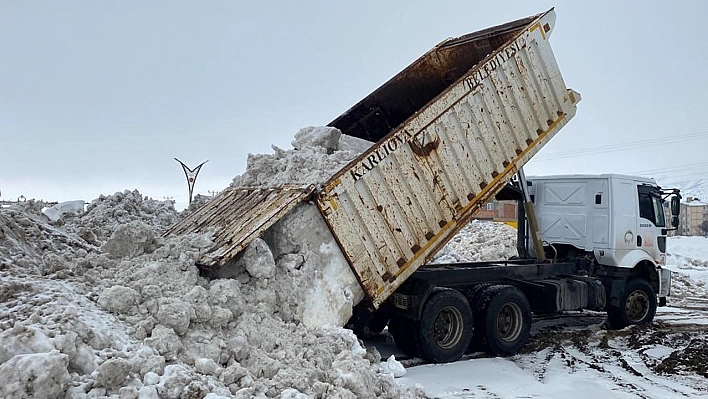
point(664, 282)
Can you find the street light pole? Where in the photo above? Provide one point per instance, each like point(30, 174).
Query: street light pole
point(191, 175)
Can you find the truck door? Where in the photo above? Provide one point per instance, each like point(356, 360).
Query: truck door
point(650, 223)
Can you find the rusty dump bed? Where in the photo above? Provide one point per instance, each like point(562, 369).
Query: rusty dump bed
point(450, 131)
point(237, 216)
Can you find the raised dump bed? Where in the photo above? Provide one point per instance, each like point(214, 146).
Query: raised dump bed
point(449, 131)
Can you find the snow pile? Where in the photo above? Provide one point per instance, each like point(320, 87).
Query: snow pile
point(128, 314)
point(106, 213)
point(319, 288)
point(315, 158)
point(479, 241)
point(31, 245)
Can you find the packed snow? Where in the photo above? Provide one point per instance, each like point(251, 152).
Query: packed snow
point(97, 304)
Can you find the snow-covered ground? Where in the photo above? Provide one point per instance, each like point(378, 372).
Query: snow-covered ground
point(94, 303)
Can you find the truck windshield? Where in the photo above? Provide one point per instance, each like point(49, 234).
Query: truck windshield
point(650, 206)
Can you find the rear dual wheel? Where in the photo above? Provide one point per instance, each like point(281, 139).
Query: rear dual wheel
point(445, 326)
point(503, 320)
point(443, 331)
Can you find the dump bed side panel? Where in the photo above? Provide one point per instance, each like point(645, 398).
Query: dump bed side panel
point(396, 205)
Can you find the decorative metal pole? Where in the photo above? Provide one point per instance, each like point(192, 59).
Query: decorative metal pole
point(191, 175)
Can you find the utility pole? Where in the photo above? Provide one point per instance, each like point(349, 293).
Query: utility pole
point(191, 175)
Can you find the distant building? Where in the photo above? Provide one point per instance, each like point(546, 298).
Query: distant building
point(498, 211)
point(693, 214)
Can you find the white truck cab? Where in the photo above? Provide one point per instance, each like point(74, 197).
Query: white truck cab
point(619, 219)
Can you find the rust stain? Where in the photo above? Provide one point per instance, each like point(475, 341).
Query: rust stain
point(484, 193)
point(423, 150)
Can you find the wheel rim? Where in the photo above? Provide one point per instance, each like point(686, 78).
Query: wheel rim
point(509, 322)
point(637, 306)
point(448, 327)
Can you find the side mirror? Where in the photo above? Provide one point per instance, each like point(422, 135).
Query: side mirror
point(675, 221)
point(675, 206)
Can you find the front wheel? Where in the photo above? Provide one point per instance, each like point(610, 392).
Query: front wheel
point(637, 305)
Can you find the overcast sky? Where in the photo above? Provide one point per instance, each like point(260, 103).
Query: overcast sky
point(99, 96)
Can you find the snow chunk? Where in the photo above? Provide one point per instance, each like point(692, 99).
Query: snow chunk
point(258, 260)
point(174, 381)
point(393, 367)
point(332, 288)
point(21, 340)
point(226, 294)
point(317, 136)
point(176, 314)
point(37, 375)
point(165, 341)
point(118, 299)
point(353, 144)
point(207, 366)
point(132, 239)
point(112, 372)
point(55, 212)
point(292, 393)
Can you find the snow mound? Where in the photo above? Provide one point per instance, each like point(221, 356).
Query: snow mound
point(315, 158)
point(479, 241)
point(301, 242)
point(106, 307)
point(29, 244)
point(106, 213)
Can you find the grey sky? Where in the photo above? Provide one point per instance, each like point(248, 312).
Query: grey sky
point(98, 97)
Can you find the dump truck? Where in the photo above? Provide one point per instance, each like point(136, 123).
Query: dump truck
point(449, 133)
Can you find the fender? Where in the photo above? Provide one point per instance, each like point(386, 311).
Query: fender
point(636, 263)
point(644, 265)
point(634, 258)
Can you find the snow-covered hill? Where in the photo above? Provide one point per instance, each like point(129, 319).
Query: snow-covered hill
point(697, 188)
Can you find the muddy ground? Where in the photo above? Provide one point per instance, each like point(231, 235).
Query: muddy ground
point(665, 359)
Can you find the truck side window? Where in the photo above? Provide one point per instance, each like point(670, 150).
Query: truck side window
point(650, 206)
point(646, 210)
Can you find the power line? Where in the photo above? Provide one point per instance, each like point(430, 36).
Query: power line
point(621, 146)
point(704, 174)
point(695, 166)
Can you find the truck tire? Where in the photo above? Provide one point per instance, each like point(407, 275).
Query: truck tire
point(507, 321)
point(637, 305)
point(405, 334)
point(445, 326)
point(479, 298)
point(377, 322)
